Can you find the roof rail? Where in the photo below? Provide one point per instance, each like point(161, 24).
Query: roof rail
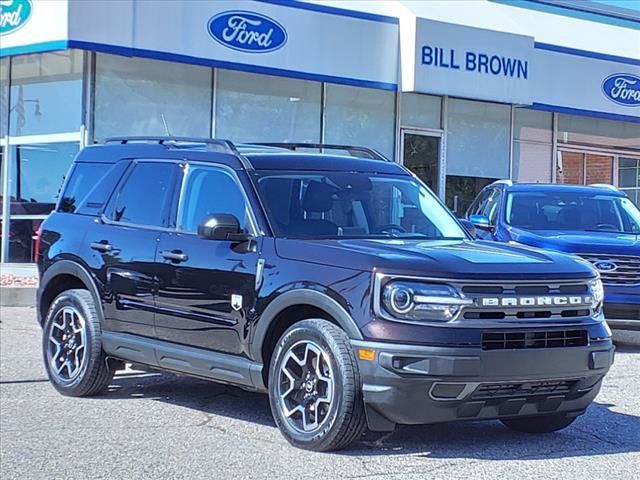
point(508, 183)
point(603, 185)
point(364, 152)
point(212, 144)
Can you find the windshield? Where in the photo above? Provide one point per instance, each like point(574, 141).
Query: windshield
point(572, 211)
point(363, 205)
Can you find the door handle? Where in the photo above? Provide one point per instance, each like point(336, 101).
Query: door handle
point(102, 246)
point(175, 255)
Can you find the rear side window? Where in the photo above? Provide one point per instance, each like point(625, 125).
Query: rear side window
point(83, 177)
point(98, 196)
point(145, 197)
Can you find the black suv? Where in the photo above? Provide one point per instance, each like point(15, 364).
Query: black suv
point(338, 284)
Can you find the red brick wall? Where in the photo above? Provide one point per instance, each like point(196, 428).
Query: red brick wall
point(599, 169)
point(572, 168)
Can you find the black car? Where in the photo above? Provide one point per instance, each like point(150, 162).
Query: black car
point(338, 284)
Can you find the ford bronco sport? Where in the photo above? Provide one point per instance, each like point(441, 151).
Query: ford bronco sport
point(338, 284)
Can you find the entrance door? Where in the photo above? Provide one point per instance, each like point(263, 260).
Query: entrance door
point(581, 168)
point(421, 154)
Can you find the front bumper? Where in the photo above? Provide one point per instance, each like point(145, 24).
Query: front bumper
point(416, 384)
point(622, 316)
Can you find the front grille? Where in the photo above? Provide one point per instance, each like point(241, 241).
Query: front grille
point(490, 391)
point(626, 273)
point(621, 311)
point(534, 339)
point(490, 297)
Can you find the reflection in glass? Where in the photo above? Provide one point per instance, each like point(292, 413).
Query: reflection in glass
point(22, 240)
point(37, 174)
point(259, 108)
point(140, 96)
point(420, 154)
point(360, 116)
point(46, 93)
point(460, 191)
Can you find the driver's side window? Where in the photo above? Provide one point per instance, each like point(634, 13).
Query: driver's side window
point(210, 190)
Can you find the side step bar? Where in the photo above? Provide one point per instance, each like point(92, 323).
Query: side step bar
point(197, 362)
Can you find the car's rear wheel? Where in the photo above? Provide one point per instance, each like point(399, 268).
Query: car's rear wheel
point(72, 345)
point(539, 423)
point(314, 387)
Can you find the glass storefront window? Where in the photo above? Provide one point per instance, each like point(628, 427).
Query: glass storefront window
point(4, 96)
point(360, 116)
point(629, 178)
point(421, 111)
point(139, 96)
point(22, 233)
point(478, 139)
point(46, 93)
point(260, 108)
point(532, 125)
point(598, 131)
point(461, 191)
point(37, 173)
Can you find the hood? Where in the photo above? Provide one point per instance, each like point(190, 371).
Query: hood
point(610, 243)
point(462, 259)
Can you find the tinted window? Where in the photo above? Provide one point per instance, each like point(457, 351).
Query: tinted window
point(97, 197)
point(145, 197)
point(210, 190)
point(562, 210)
point(83, 177)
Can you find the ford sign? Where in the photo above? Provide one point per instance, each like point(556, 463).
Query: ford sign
point(247, 31)
point(605, 266)
point(623, 89)
point(13, 15)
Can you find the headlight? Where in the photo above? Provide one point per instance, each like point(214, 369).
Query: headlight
point(417, 301)
point(596, 290)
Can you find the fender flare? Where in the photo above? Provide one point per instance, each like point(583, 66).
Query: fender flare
point(69, 267)
point(301, 297)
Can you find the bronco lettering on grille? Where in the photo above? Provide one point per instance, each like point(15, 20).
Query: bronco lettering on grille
point(550, 300)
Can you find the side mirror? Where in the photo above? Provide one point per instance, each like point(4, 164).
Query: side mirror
point(221, 226)
point(481, 222)
point(469, 227)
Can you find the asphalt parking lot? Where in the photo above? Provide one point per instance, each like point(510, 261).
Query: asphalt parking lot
point(153, 425)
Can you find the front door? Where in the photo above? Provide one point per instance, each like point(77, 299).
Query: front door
point(421, 155)
point(207, 288)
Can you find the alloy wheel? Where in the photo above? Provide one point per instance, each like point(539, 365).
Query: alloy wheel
point(66, 346)
point(306, 386)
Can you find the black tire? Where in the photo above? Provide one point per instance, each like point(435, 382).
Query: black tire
point(92, 374)
point(539, 423)
point(344, 418)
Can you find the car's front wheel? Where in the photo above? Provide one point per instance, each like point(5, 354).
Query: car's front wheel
point(314, 387)
point(72, 345)
point(539, 423)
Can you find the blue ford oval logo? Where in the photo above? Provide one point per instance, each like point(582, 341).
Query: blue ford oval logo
point(14, 14)
point(623, 89)
point(605, 266)
point(247, 31)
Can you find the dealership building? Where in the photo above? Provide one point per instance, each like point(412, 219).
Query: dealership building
point(463, 92)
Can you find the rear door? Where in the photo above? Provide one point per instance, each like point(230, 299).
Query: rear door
point(207, 288)
point(124, 244)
